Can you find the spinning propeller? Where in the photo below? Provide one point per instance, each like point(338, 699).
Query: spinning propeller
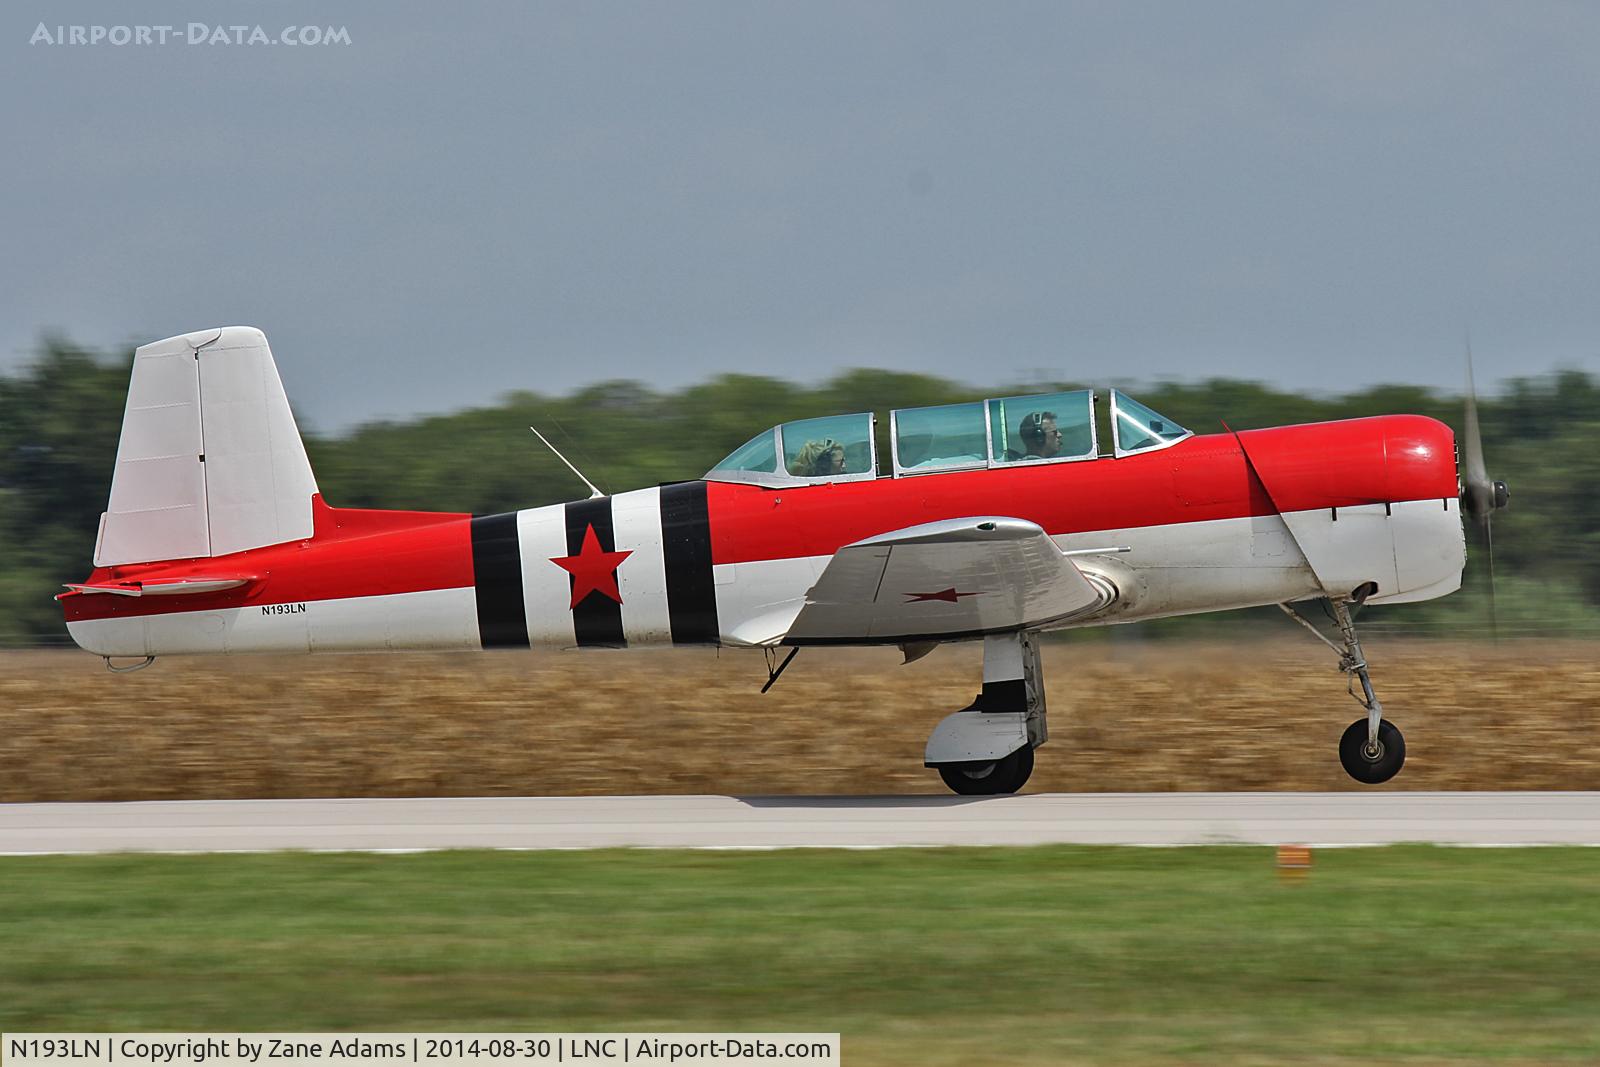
point(1481, 496)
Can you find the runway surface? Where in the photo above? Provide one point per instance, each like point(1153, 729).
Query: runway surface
point(803, 822)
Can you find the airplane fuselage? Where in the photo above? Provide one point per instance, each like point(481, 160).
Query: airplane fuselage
point(1214, 522)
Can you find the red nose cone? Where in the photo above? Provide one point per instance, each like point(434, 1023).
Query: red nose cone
point(1380, 460)
point(1420, 455)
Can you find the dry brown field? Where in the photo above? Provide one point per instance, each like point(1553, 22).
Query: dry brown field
point(1124, 716)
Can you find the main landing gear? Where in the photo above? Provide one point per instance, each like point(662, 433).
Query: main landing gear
point(1372, 749)
point(987, 748)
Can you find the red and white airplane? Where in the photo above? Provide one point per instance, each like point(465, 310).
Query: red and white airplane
point(991, 521)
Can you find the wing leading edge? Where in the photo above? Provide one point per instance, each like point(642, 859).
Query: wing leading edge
point(957, 577)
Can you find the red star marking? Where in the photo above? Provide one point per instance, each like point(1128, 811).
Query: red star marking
point(592, 570)
point(949, 596)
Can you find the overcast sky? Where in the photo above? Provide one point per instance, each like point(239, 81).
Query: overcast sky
point(472, 198)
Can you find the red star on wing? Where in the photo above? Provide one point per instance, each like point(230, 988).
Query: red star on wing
point(592, 570)
point(949, 596)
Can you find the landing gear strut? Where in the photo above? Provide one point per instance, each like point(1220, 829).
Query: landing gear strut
point(987, 748)
point(1372, 749)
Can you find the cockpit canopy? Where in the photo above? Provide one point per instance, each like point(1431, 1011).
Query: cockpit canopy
point(835, 448)
point(1004, 432)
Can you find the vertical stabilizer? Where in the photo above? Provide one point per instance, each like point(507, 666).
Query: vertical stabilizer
point(210, 461)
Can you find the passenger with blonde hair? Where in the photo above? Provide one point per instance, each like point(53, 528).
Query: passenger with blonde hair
point(818, 459)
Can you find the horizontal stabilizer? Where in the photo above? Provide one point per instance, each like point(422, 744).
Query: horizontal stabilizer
point(161, 586)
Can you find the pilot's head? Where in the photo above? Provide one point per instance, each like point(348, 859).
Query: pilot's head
point(1039, 434)
point(831, 459)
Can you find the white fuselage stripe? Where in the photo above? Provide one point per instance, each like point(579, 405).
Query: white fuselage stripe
point(642, 577)
point(546, 588)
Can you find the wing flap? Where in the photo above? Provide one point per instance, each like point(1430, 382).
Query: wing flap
point(943, 579)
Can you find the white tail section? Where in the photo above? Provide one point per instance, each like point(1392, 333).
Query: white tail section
point(210, 461)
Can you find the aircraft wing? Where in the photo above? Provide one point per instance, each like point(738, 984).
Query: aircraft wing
point(945, 579)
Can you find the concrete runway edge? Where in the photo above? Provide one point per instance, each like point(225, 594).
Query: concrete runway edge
point(722, 822)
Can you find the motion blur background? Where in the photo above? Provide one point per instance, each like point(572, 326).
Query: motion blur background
point(655, 229)
point(60, 416)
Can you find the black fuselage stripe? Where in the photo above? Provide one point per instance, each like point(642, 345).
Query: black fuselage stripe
point(596, 619)
point(1009, 695)
point(497, 582)
point(686, 545)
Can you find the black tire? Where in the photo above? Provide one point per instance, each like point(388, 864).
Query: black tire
point(1372, 768)
point(987, 779)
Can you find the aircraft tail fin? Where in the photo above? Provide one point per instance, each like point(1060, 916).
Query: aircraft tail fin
point(210, 461)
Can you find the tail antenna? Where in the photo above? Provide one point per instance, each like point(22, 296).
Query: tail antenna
point(593, 489)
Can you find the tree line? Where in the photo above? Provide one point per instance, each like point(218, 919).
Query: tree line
point(60, 416)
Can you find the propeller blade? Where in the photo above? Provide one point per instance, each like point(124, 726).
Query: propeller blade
point(1477, 492)
point(1480, 495)
point(1488, 538)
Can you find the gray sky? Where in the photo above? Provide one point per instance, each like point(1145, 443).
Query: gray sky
point(469, 199)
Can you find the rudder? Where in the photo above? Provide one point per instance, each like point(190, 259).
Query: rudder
point(210, 461)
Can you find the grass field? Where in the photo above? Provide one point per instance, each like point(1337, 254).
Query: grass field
point(968, 956)
point(1124, 716)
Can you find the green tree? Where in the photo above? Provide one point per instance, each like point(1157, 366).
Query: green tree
point(59, 422)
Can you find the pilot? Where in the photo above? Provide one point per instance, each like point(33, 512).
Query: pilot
point(1039, 436)
point(819, 459)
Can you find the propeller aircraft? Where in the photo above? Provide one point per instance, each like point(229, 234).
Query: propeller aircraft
point(992, 521)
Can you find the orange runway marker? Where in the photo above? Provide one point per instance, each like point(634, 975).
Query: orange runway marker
point(1294, 862)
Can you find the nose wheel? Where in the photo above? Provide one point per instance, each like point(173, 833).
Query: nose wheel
point(1373, 762)
point(1372, 749)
